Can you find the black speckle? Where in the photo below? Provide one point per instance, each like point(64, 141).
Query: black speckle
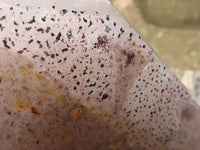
point(105, 96)
point(72, 70)
point(15, 23)
point(13, 43)
point(52, 55)
point(102, 65)
point(85, 20)
point(46, 53)
point(48, 45)
point(53, 19)
point(31, 40)
point(52, 34)
point(74, 66)
point(64, 11)
point(42, 58)
point(90, 92)
point(5, 44)
point(43, 19)
point(40, 45)
point(107, 18)
point(58, 72)
point(91, 85)
point(80, 27)
point(1, 27)
point(130, 35)
point(48, 29)
point(73, 50)
point(40, 30)
point(9, 112)
point(34, 56)
point(84, 72)
point(107, 85)
point(32, 20)
point(65, 50)
point(58, 36)
point(121, 30)
point(2, 18)
point(28, 28)
point(74, 12)
point(83, 36)
point(90, 23)
point(60, 61)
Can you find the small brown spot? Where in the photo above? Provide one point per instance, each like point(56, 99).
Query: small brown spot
point(76, 113)
point(1, 79)
point(130, 57)
point(115, 143)
point(34, 111)
point(8, 136)
point(105, 96)
point(187, 113)
point(102, 41)
point(21, 106)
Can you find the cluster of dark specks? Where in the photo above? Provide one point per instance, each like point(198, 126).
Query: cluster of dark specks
point(87, 64)
point(102, 41)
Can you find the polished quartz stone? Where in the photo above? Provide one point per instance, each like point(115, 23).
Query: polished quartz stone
point(76, 75)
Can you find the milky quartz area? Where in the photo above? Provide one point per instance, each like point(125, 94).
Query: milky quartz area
point(77, 76)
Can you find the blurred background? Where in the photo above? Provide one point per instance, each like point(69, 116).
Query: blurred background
point(172, 28)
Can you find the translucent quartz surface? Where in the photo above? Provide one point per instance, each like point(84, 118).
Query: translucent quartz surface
point(75, 75)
